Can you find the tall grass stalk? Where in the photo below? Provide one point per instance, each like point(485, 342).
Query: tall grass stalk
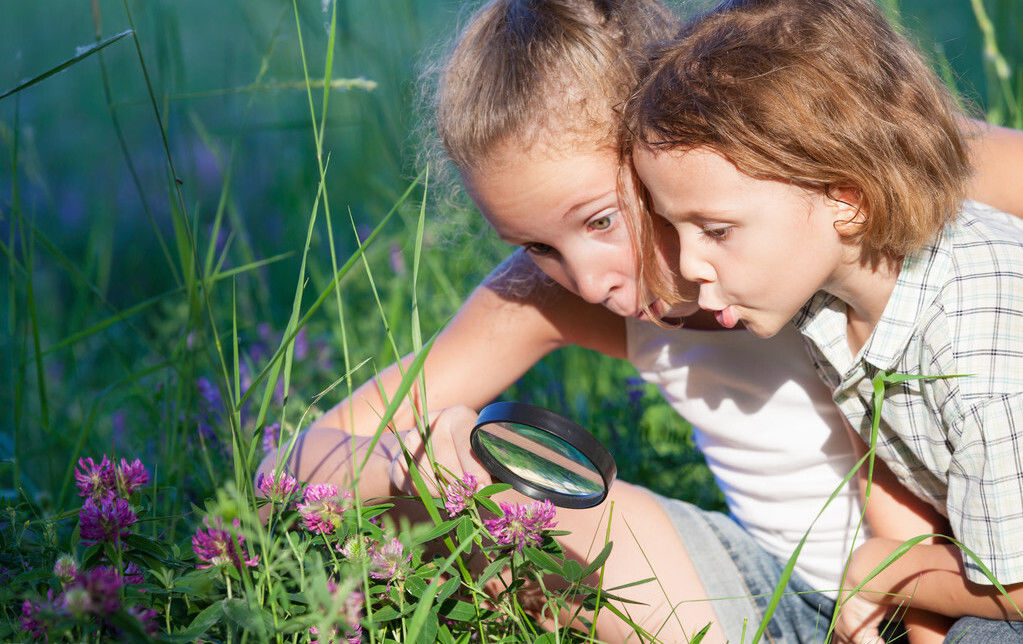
point(1004, 100)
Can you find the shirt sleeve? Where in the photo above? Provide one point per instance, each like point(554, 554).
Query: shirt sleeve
point(985, 489)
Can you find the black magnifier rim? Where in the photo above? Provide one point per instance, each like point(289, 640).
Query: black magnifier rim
point(546, 421)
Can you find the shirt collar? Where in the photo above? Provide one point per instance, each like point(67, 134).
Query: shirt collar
point(823, 319)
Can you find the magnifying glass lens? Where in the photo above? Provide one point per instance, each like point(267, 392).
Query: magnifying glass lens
point(542, 459)
point(542, 454)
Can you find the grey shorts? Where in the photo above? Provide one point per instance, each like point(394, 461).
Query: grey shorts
point(739, 577)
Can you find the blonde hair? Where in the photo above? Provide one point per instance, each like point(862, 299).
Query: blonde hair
point(529, 71)
point(524, 73)
point(823, 94)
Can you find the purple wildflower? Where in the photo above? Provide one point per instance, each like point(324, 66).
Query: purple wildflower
point(216, 546)
point(131, 476)
point(279, 392)
point(522, 524)
point(66, 569)
point(209, 411)
point(301, 344)
point(99, 480)
point(94, 480)
point(271, 437)
point(265, 332)
point(96, 591)
point(458, 494)
point(324, 356)
point(636, 387)
point(389, 561)
point(349, 613)
point(397, 259)
point(147, 617)
point(353, 608)
point(277, 489)
point(119, 427)
point(354, 638)
point(106, 521)
point(245, 378)
point(209, 393)
point(133, 574)
point(323, 506)
point(39, 617)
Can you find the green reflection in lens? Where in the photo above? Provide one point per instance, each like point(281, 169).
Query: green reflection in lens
point(541, 458)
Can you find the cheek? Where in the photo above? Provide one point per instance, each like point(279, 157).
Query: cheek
point(556, 271)
point(666, 245)
point(612, 252)
point(550, 268)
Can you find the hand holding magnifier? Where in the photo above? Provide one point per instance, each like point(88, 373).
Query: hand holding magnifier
point(542, 455)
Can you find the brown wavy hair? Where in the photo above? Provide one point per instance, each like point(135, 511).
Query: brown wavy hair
point(822, 94)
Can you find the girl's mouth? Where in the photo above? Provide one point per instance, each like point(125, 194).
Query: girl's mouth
point(667, 314)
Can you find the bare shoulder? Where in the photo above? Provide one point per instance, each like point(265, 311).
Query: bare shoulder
point(519, 294)
point(997, 154)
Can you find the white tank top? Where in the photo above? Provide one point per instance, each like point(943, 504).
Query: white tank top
point(771, 434)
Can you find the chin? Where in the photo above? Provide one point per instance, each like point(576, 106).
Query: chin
point(760, 330)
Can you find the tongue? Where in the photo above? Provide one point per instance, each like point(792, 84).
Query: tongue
point(725, 317)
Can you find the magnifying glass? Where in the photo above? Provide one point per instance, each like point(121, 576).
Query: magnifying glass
point(542, 455)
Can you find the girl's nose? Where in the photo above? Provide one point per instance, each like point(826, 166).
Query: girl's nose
point(593, 280)
point(592, 287)
point(691, 266)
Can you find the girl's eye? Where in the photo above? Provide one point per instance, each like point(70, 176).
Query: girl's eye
point(538, 249)
point(716, 232)
point(600, 223)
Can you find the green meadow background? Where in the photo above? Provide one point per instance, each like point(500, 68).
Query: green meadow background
point(160, 207)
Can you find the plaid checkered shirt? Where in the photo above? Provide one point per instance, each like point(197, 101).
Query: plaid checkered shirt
point(957, 308)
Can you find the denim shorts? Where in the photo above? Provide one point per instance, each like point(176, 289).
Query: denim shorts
point(739, 577)
point(974, 630)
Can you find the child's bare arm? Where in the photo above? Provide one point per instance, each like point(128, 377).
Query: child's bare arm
point(508, 323)
point(934, 575)
point(506, 326)
point(997, 155)
point(930, 577)
point(894, 515)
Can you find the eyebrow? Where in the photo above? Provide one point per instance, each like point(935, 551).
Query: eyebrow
point(691, 215)
point(583, 204)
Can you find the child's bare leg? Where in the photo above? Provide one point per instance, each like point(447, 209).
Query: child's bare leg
point(646, 544)
point(924, 627)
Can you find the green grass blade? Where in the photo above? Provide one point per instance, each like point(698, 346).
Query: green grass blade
point(790, 565)
point(126, 153)
point(83, 53)
point(325, 293)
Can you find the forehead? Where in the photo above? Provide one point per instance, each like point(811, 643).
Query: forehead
point(695, 165)
point(693, 179)
point(541, 181)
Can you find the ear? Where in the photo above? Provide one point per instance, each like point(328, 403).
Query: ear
point(846, 205)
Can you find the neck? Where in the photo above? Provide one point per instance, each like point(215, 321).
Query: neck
point(865, 288)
